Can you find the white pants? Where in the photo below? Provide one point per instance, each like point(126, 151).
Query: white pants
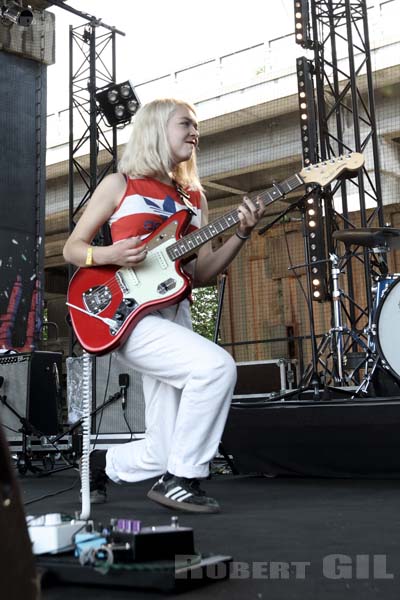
point(188, 384)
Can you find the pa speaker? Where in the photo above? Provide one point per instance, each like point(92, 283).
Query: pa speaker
point(31, 391)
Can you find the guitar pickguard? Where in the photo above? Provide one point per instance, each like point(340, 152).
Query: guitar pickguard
point(153, 280)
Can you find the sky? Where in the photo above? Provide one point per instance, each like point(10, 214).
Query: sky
point(165, 36)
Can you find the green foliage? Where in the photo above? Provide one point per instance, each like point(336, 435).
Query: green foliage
point(204, 311)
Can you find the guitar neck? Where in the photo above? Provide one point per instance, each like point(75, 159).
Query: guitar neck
point(187, 245)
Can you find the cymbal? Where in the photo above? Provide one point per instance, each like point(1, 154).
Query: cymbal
point(372, 237)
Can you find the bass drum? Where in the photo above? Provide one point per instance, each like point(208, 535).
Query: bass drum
point(387, 329)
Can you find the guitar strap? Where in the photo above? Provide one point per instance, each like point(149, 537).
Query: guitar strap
point(185, 198)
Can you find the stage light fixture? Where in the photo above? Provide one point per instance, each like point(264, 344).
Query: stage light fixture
point(125, 91)
point(132, 106)
point(112, 96)
point(314, 228)
point(117, 102)
point(302, 24)
point(308, 124)
point(17, 14)
point(314, 225)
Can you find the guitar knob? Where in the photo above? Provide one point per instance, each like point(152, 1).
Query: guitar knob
point(118, 316)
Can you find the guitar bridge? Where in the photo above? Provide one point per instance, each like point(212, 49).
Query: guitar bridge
point(97, 299)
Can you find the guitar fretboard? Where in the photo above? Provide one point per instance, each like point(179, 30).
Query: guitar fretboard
point(189, 243)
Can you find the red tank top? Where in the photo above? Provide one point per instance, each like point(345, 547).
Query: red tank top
point(145, 205)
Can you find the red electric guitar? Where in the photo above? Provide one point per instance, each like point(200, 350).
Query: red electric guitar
point(106, 302)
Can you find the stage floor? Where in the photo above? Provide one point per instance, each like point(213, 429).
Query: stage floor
point(290, 537)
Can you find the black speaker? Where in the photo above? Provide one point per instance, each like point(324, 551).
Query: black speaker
point(31, 388)
point(108, 377)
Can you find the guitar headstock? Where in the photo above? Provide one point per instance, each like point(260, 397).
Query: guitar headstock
point(326, 171)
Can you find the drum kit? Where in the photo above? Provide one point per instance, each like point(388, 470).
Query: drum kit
point(382, 347)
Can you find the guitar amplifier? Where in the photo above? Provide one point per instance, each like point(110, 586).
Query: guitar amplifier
point(30, 390)
point(109, 421)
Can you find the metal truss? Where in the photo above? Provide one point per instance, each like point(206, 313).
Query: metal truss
point(339, 37)
point(92, 65)
point(346, 109)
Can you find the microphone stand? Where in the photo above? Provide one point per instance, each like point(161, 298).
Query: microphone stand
point(24, 462)
point(117, 396)
point(221, 292)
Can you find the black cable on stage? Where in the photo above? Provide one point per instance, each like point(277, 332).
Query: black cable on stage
point(51, 494)
point(127, 424)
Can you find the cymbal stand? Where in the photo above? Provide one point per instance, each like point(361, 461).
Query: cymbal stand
point(364, 386)
point(338, 329)
point(337, 315)
point(333, 340)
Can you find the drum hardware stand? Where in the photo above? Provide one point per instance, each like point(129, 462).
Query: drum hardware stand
point(378, 259)
point(338, 330)
point(367, 380)
point(333, 340)
point(378, 241)
point(311, 375)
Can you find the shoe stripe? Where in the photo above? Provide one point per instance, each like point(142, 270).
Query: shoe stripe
point(182, 495)
point(178, 493)
point(173, 491)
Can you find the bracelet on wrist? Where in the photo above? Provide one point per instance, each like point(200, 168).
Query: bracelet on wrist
point(241, 236)
point(89, 257)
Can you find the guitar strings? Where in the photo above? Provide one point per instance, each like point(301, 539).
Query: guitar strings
point(273, 193)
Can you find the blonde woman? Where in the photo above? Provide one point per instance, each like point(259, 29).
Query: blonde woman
point(187, 380)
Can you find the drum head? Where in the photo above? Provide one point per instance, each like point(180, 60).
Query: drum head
point(388, 328)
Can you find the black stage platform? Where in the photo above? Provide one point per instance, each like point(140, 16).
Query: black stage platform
point(290, 536)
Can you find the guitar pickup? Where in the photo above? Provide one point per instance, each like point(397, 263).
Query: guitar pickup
point(161, 260)
point(166, 286)
point(126, 275)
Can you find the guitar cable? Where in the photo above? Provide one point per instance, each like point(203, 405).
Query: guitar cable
point(101, 409)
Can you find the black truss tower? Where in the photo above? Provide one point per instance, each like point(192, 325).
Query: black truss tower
point(92, 66)
point(88, 68)
point(339, 38)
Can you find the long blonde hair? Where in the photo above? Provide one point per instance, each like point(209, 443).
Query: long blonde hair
point(147, 153)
